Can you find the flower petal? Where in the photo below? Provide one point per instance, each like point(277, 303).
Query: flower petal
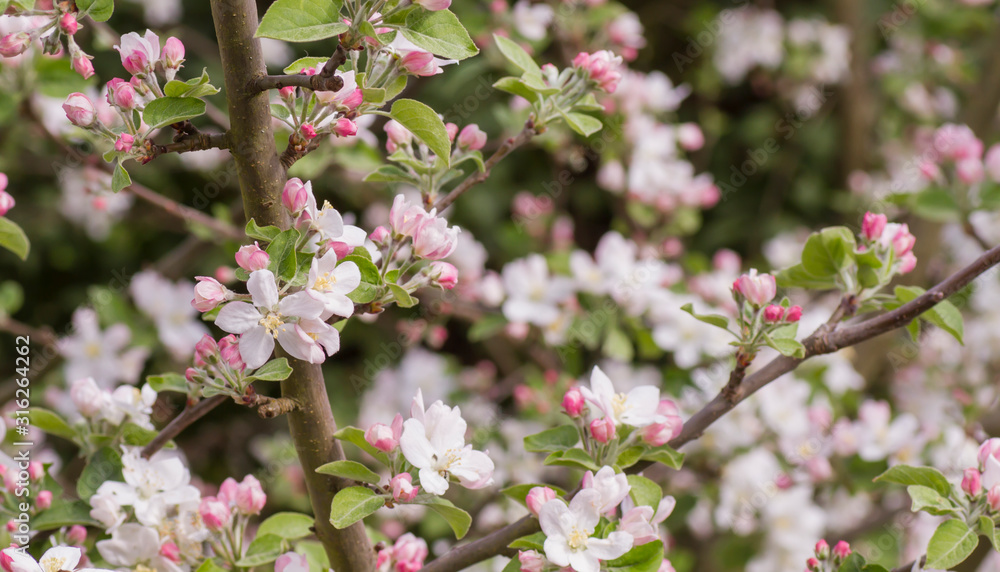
point(256, 346)
point(302, 305)
point(263, 289)
point(237, 317)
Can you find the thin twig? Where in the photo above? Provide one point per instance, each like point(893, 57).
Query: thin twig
point(477, 177)
point(325, 80)
point(186, 417)
point(191, 142)
point(186, 213)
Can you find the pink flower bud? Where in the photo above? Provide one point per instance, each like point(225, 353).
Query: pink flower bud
point(80, 110)
point(434, 239)
point(812, 565)
point(228, 490)
point(287, 92)
point(352, 101)
point(989, 448)
point(452, 130)
point(822, 550)
point(68, 23)
point(379, 235)
point(663, 432)
point(44, 500)
point(123, 95)
point(205, 350)
point(291, 562)
point(690, 137)
point(433, 5)
point(402, 488)
point(972, 482)
point(81, 65)
point(757, 289)
point(36, 470)
point(295, 195)
point(773, 313)
point(903, 241)
point(214, 513)
point(794, 314)
point(444, 274)
point(842, 550)
point(472, 138)
point(77, 534)
point(398, 136)
point(139, 53)
point(603, 67)
point(208, 293)
point(171, 552)
point(380, 436)
point(173, 53)
point(993, 498)
point(872, 225)
point(603, 429)
point(531, 561)
point(419, 63)
point(538, 496)
point(87, 397)
point(405, 218)
point(345, 128)
point(573, 402)
point(14, 44)
point(250, 497)
point(6, 202)
point(308, 131)
point(229, 349)
point(252, 257)
point(124, 142)
point(969, 171)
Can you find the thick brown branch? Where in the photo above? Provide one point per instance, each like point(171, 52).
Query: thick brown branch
point(190, 414)
point(192, 142)
point(477, 177)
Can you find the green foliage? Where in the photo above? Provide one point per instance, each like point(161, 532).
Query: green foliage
point(12, 238)
point(302, 20)
point(951, 544)
point(350, 470)
point(353, 504)
point(164, 111)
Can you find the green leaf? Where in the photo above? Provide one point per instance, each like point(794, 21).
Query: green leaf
point(457, 519)
point(854, 563)
point(353, 504)
point(350, 470)
point(629, 456)
point(376, 95)
point(194, 87)
point(282, 253)
point(50, 422)
point(302, 20)
point(644, 491)
point(714, 319)
point(944, 314)
point(137, 436)
point(357, 437)
point(274, 370)
point(425, 124)
point(388, 174)
point(534, 541)
point(797, 277)
point(440, 33)
point(63, 513)
point(666, 455)
point(168, 382)
point(264, 549)
point(643, 558)
point(828, 251)
point(925, 476)
point(583, 124)
point(937, 205)
point(305, 63)
point(104, 465)
point(951, 544)
point(403, 298)
point(164, 111)
point(988, 529)
point(516, 55)
point(786, 346)
point(261, 232)
point(210, 566)
point(516, 86)
point(556, 439)
point(98, 10)
point(12, 238)
point(577, 458)
point(287, 525)
point(520, 492)
point(120, 179)
point(929, 500)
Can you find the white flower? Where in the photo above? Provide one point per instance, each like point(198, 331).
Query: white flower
point(326, 224)
point(569, 528)
point(636, 408)
point(531, 20)
point(433, 441)
point(330, 284)
point(169, 305)
point(136, 547)
point(91, 352)
point(55, 559)
point(152, 486)
point(533, 296)
point(612, 488)
point(877, 437)
point(269, 319)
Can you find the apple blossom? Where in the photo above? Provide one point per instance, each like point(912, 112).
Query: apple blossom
point(602, 67)
point(690, 137)
point(970, 170)
point(773, 313)
point(214, 513)
point(409, 553)
point(993, 498)
point(294, 196)
point(472, 138)
point(989, 448)
point(398, 136)
point(573, 402)
point(957, 142)
point(612, 487)
point(308, 131)
point(329, 283)
point(433, 5)
point(77, 534)
point(57, 558)
point(171, 552)
point(532, 20)
point(530, 561)
point(602, 430)
point(568, 530)
point(252, 257)
point(794, 314)
point(402, 488)
point(139, 53)
point(209, 293)
point(82, 65)
point(383, 437)
point(636, 523)
point(270, 318)
point(822, 549)
point(433, 441)
point(637, 408)
point(872, 225)
point(663, 432)
point(443, 274)
point(291, 562)
point(6, 202)
point(842, 550)
point(971, 482)
point(537, 497)
point(80, 110)
point(419, 63)
point(405, 217)
point(68, 23)
point(229, 349)
point(124, 142)
point(14, 44)
point(758, 289)
point(345, 128)
point(133, 546)
point(250, 498)
point(452, 130)
point(173, 53)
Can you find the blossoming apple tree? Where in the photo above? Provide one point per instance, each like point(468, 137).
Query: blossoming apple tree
point(561, 448)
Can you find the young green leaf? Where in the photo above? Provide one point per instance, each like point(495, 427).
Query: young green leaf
point(163, 111)
point(555, 439)
point(423, 122)
point(353, 504)
point(350, 470)
point(925, 476)
point(516, 55)
point(440, 33)
point(287, 525)
point(12, 238)
point(302, 20)
point(951, 544)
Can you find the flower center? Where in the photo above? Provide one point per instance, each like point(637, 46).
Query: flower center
point(576, 539)
point(271, 322)
point(53, 564)
point(618, 404)
point(93, 350)
point(325, 282)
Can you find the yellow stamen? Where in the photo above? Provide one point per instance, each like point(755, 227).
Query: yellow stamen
point(271, 322)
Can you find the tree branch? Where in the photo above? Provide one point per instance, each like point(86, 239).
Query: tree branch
point(261, 181)
point(325, 80)
point(477, 177)
point(191, 142)
point(826, 339)
point(185, 418)
point(183, 212)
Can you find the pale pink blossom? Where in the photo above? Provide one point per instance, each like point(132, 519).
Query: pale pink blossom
point(139, 53)
point(402, 488)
